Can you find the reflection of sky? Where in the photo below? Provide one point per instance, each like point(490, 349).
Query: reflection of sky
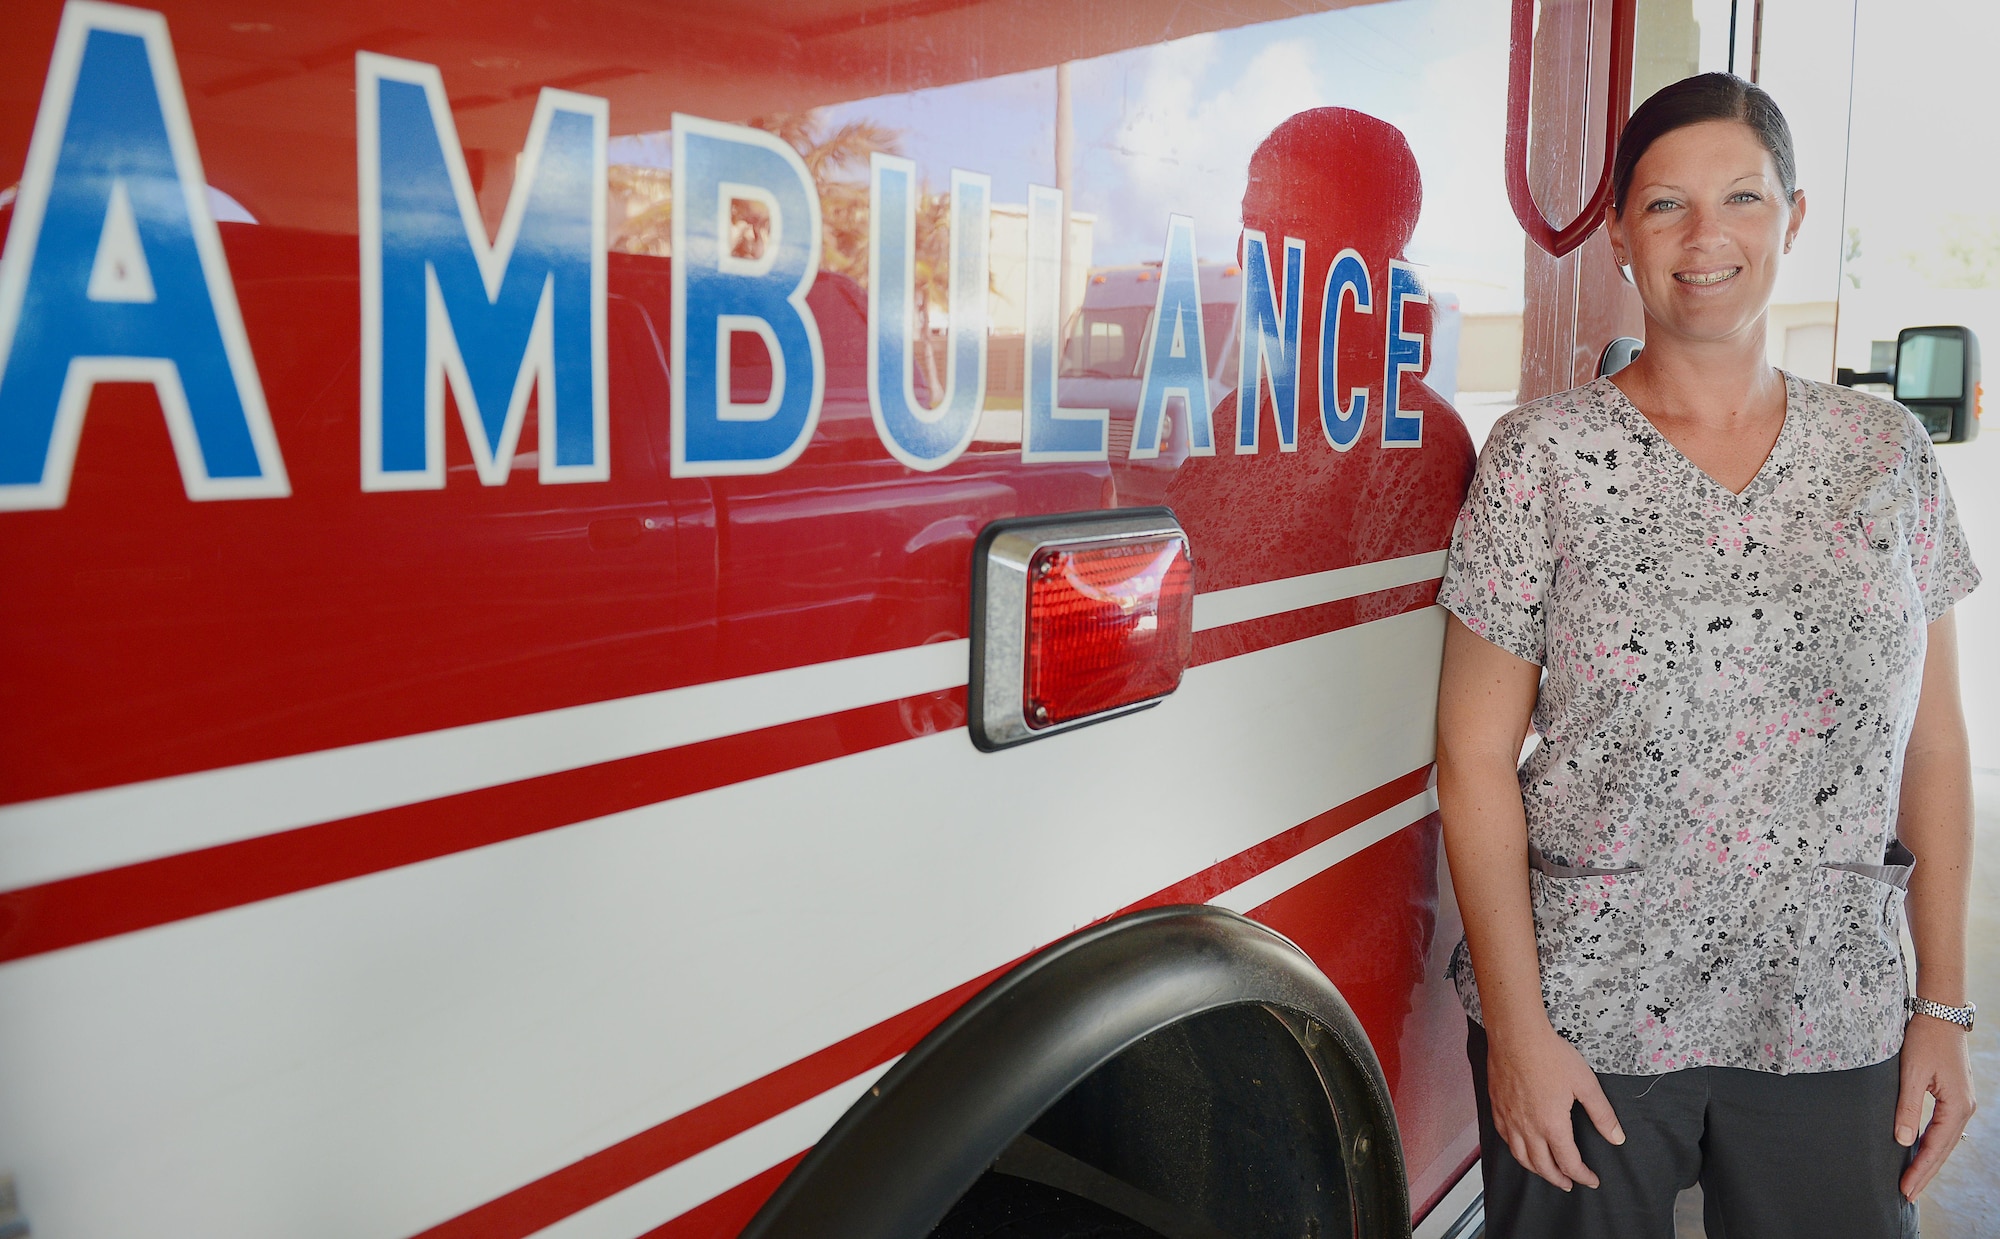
point(1171, 128)
point(645, 150)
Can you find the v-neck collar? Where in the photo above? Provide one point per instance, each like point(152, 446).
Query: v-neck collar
point(1767, 474)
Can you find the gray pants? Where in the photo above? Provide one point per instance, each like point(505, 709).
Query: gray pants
point(1808, 1156)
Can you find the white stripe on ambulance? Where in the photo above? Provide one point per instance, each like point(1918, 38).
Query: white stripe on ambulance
point(62, 836)
point(680, 1187)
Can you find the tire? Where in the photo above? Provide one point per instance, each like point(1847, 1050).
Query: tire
point(1002, 1207)
point(1163, 981)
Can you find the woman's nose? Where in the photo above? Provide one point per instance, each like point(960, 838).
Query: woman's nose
point(1704, 228)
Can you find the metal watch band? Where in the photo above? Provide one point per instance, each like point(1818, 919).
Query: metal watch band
point(1961, 1016)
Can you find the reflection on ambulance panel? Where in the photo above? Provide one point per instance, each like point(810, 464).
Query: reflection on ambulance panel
point(1104, 356)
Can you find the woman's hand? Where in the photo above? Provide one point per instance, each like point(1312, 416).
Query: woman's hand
point(1935, 821)
point(1936, 1061)
point(1533, 1081)
point(1533, 1077)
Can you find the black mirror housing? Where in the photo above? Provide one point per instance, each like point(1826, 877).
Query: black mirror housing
point(1937, 378)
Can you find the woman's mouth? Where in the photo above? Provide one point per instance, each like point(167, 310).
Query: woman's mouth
point(1705, 278)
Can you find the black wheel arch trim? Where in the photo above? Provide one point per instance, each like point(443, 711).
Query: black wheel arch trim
point(901, 1155)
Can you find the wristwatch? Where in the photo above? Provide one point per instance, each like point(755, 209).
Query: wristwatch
point(1961, 1016)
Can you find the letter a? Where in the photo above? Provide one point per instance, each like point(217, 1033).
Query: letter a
point(1177, 360)
point(115, 273)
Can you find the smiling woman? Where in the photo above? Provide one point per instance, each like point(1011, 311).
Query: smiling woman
point(1724, 593)
point(1702, 234)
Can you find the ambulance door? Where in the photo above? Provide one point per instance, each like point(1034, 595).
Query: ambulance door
point(1579, 302)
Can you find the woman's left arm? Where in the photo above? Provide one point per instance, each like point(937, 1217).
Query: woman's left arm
point(1934, 820)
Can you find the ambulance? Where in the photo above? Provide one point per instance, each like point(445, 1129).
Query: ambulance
point(759, 617)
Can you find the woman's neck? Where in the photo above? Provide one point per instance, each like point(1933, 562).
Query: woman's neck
point(1711, 383)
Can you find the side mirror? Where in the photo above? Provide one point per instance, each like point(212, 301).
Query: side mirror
point(1937, 378)
point(1619, 354)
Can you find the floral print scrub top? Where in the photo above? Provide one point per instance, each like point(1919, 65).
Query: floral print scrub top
point(1729, 684)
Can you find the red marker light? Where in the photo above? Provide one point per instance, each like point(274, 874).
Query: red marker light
point(1108, 625)
point(1076, 619)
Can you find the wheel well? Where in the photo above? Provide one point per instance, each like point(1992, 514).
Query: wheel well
point(1182, 1067)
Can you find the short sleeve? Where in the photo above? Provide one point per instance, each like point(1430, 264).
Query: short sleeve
point(1942, 558)
point(1502, 556)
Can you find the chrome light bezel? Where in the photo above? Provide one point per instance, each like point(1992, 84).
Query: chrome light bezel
point(996, 688)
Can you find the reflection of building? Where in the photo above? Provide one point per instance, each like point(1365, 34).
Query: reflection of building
point(640, 218)
point(1489, 353)
point(1798, 337)
point(1009, 284)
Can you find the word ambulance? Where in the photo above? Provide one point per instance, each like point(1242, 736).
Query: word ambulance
point(115, 272)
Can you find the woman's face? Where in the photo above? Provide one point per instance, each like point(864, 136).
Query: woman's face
point(1705, 222)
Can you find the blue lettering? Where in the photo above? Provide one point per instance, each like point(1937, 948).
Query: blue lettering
point(1342, 423)
point(1406, 356)
point(1048, 430)
point(115, 273)
point(1270, 342)
point(1176, 362)
point(524, 315)
point(925, 438)
point(718, 293)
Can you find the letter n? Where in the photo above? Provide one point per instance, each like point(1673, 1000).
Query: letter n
point(1270, 345)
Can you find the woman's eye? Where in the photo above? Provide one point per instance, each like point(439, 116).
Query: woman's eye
point(1746, 196)
point(1662, 204)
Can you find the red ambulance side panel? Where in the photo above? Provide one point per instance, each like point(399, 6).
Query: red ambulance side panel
point(467, 847)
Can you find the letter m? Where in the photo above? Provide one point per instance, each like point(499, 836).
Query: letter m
point(499, 321)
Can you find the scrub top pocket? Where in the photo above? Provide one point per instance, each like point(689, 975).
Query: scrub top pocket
point(1592, 937)
point(1851, 973)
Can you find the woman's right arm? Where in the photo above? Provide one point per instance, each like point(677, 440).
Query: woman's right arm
point(1534, 1077)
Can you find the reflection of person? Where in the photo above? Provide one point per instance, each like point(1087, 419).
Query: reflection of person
point(1335, 178)
point(1332, 178)
point(1682, 911)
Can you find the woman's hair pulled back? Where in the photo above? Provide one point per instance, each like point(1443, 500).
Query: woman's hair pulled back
point(1692, 101)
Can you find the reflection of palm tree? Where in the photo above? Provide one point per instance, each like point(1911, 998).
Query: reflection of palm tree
point(642, 201)
point(838, 162)
point(834, 159)
point(932, 273)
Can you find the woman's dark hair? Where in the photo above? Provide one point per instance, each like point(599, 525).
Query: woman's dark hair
point(1691, 101)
